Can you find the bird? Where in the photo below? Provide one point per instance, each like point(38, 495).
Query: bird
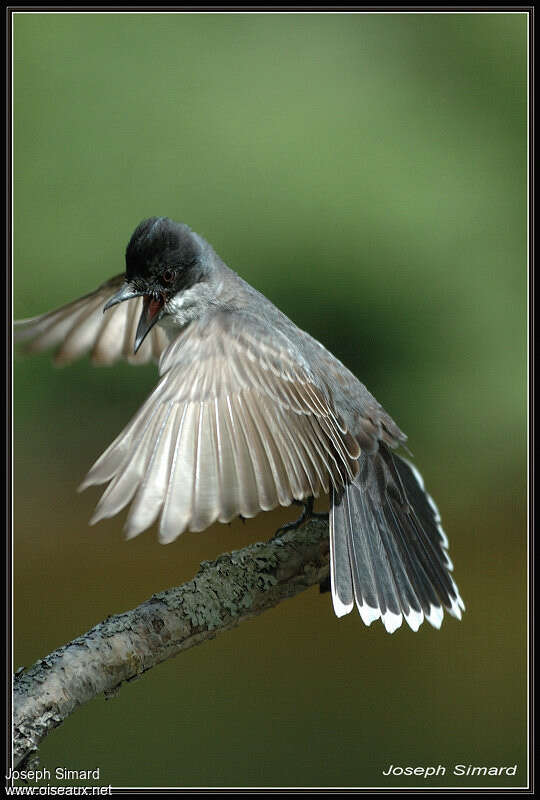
point(250, 413)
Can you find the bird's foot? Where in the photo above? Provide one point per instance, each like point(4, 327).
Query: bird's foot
point(303, 519)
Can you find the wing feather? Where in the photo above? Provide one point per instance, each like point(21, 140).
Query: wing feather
point(228, 475)
point(176, 511)
point(148, 500)
point(81, 327)
point(204, 504)
point(226, 432)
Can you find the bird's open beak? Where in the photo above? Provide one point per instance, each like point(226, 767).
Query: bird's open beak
point(152, 306)
point(125, 293)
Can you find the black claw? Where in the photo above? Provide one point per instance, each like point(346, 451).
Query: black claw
point(305, 516)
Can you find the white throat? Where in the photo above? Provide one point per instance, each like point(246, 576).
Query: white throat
point(185, 307)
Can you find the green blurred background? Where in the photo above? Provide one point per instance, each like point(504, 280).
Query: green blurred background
point(368, 173)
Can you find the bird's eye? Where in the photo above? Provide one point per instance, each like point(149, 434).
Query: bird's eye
point(168, 275)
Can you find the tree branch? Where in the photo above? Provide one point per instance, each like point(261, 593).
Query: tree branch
point(235, 587)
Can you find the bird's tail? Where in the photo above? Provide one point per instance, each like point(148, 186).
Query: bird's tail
point(388, 552)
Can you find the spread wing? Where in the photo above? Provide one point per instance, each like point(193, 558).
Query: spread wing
point(81, 327)
point(236, 425)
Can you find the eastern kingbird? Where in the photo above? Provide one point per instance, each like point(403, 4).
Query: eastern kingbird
point(249, 413)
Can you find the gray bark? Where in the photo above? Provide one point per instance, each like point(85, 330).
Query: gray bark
point(235, 587)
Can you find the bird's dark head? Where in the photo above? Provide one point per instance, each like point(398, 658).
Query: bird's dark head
point(162, 255)
point(163, 259)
